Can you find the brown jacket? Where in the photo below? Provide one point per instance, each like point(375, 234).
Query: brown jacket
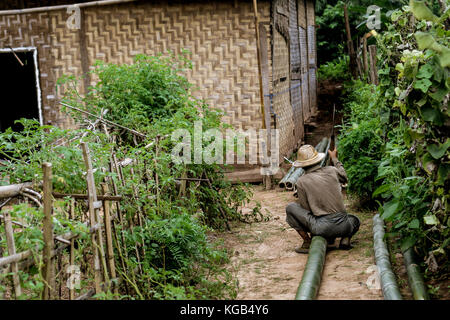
point(319, 191)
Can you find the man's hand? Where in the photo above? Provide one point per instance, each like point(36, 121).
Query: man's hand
point(332, 153)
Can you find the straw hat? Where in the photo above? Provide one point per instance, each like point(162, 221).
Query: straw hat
point(307, 156)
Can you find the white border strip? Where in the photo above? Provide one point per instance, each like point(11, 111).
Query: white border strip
point(36, 72)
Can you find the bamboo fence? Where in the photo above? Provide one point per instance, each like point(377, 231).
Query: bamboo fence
point(58, 253)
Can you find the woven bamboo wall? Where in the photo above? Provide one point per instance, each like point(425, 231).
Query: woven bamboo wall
point(58, 52)
point(220, 35)
point(312, 57)
point(303, 42)
point(281, 76)
point(295, 65)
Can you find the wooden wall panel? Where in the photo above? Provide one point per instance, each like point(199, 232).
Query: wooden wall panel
point(220, 35)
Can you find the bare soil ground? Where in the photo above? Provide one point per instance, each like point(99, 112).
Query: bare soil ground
point(267, 267)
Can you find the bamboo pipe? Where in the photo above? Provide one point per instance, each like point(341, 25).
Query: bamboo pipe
point(292, 180)
point(310, 283)
point(387, 278)
point(282, 183)
point(415, 278)
point(62, 7)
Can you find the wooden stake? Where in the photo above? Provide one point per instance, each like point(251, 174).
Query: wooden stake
point(12, 250)
point(109, 240)
point(365, 61)
point(351, 49)
point(373, 64)
point(48, 270)
point(258, 49)
point(113, 168)
point(72, 247)
point(130, 223)
point(92, 218)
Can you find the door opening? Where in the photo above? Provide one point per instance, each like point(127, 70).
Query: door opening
point(19, 87)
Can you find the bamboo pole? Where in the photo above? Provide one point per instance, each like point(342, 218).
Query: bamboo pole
point(85, 196)
point(72, 247)
point(387, 277)
point(267, 178)
point(415, 278)
point(29, 253)
point(91, 181)
point(258, 49)
point(113, 168)
point(109, 240)
point(48, 270)
point(310, 283)
point(156, 171)
point(92, 198)
point(13, 258)
point(63, 7)
point(119, 173)
point(13, 189)
point(11, 251)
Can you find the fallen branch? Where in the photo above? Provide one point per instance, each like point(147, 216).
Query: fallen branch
point(85, 196)
point(13, 190)
point(104, 120)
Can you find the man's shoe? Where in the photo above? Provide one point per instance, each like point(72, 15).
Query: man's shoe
point(304, 248)
point(345, 244)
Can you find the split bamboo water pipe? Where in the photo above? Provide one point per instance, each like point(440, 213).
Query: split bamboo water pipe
point(415, 278)
point(312, 275)
point(387, 277)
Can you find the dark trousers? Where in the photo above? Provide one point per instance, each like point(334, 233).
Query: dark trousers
point(330, 226)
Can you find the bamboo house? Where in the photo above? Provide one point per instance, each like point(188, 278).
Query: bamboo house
point(39, 43)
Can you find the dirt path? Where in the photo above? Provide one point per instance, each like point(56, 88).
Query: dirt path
point(267, 267)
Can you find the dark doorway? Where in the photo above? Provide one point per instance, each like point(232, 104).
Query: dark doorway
point(18, 91)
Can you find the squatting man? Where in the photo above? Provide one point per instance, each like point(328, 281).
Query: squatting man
point(320, 209)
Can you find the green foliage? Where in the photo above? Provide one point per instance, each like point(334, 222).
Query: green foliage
point(27, 150)
point(335, 70)
point(163, 236)
point(412, 121)
point(178, 259)
point(31, 238)
point(360, 144)
point(330, 23)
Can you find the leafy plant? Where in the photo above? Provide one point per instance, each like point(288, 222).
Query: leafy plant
point(336, 69)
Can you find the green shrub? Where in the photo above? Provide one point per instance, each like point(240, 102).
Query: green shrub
point(360, 150)
point(360, 141)
point(336, 69)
